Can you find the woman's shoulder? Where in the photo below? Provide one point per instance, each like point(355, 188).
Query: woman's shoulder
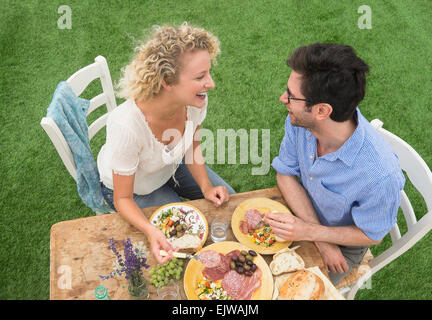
point(124, 114)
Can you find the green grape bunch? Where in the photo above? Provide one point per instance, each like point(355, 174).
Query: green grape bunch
point(160, 275)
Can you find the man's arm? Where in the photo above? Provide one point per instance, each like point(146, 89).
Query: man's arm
point(308, 226)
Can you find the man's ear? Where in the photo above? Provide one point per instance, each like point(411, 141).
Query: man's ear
point(323, 111)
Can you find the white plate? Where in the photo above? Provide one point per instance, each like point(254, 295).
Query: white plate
point(194, 219)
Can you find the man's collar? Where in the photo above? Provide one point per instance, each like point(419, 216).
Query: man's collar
point(349, 150)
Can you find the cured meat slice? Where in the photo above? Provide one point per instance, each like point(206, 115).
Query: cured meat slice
point(243, 227)
point(218, 272)
point(253, 217)
point(241, 287)
point(233, 284)
point(250, 285)
point(210, 258)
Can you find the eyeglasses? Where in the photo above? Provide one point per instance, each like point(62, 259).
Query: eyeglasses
point(291, 98)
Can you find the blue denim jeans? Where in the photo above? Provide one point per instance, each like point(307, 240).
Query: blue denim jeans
point(170, 191)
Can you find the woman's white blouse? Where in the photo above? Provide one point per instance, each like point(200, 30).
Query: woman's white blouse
point(131, 148)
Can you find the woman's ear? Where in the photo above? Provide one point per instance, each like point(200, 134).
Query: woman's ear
point(166, 86)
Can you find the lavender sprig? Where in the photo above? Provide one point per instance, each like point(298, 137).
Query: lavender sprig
point(130, 265)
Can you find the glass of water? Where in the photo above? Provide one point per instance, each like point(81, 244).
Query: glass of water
point(169, 292)
point(218, 229)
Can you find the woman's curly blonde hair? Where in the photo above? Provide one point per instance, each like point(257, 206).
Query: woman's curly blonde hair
point(158, 59)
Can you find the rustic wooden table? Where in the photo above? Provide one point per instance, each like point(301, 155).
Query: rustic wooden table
point(79, 249)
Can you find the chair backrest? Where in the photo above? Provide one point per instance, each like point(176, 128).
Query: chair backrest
point(420, 176)
point(78, 82)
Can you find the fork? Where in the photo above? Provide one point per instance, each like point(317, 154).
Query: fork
point(181, 255)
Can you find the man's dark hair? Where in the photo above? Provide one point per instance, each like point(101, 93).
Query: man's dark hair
point(333, 74)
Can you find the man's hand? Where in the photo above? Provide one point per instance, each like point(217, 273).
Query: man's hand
point(332, 257)
point(287, 226)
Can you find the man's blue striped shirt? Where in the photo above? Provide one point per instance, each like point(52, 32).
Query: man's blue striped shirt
point(359, 184)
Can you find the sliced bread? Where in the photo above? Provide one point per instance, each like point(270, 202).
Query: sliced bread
point(187, 241)
point(286, 260)
point(302, 285)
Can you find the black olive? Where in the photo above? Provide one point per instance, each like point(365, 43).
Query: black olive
point(253, 267)
point(250, 263)
point(240, 270)
point(248, 273)
point(173, 232)
point(252, 253)
point(242, 258)
point(234, 257)
point(176, 223)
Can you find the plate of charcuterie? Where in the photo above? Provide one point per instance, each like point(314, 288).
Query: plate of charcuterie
point(228, 270)
point(249, 228)
point(184, 225)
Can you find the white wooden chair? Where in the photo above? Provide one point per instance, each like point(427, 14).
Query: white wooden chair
point(79, 81)
point(420, 176)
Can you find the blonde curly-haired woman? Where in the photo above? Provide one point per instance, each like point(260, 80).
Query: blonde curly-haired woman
point(152, 156)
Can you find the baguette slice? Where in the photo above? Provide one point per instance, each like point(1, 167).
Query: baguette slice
point(286, 260)
point(187, 242)
point(302, 285)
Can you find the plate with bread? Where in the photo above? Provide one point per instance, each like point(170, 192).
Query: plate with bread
point(249, 228)
point(184, 226)
point(228, 270)
point(292, 281)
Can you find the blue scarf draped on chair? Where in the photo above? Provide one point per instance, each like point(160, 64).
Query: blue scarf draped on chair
point(69, 113)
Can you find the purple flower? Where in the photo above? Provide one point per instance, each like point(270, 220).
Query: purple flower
point(130, 265)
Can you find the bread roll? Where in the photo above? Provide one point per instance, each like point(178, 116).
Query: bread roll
point(286, 260)
point(302, 285)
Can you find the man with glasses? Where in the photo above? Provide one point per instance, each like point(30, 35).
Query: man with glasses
point(338, 176)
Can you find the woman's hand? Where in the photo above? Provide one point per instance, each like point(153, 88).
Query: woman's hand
point(159, 242)
point(218, 195)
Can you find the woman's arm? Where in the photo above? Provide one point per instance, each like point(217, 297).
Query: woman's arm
point(195, 164)
point(129, 210)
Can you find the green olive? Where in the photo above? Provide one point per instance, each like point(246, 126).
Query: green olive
point(244, 252)
point(249, 257)
point(232, 265)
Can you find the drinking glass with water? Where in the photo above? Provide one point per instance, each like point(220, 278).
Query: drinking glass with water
point(219, 228)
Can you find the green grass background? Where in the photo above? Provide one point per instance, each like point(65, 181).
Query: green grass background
point(257, 37)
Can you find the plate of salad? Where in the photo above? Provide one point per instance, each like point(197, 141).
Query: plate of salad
point(182, 224)
point(249, 228)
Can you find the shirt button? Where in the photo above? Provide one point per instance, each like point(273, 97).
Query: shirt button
point(311, 156)
point(310, 178)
